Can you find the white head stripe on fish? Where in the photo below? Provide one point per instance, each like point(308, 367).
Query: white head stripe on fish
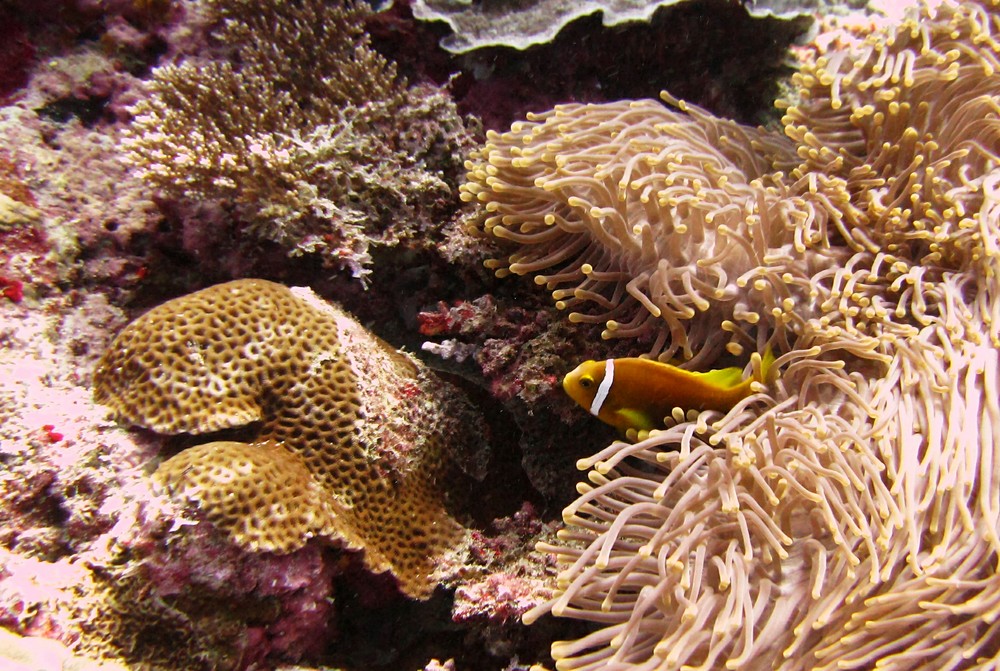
point(602, 391)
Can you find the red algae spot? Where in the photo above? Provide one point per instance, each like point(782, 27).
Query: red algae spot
point(435, 323)
point(445, 319)
point(51, 434)
point(12, 289)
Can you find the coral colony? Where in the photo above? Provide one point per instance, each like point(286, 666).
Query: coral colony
point(264, 406)
point(352, 436)
point(332, 164)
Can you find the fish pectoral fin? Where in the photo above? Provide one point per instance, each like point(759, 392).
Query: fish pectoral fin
point(723, 378)
point(635, 419)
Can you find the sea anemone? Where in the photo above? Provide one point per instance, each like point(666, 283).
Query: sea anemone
point(848, 514)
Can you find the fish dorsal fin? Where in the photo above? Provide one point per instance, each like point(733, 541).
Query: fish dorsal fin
point(723, 378)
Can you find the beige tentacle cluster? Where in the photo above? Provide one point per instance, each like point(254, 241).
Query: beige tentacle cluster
point(848, 516)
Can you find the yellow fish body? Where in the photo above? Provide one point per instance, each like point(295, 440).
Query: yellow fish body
point(637, 393)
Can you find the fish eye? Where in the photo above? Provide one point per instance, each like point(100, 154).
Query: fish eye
point(586, 382)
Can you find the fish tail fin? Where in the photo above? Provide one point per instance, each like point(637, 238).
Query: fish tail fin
point(766, 362)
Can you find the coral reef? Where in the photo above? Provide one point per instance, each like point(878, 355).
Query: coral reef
point(360, 434)
point(91, 554)
point(517, 349)
point(512, 583)
point(520, 25)
point(310, 133)
point(70, 210)
point(325, 160)
point(86, 553)
point(504, 581)
point(847, 515)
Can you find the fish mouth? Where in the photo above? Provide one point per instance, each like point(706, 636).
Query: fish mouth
point(566, 382)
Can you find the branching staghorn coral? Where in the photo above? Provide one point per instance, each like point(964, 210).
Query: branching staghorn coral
point(312, 133)
point(848, 515)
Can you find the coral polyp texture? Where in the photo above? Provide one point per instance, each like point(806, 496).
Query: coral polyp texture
point(307, 130)
point(848, 515)
point(262, 495)
point(354, 441)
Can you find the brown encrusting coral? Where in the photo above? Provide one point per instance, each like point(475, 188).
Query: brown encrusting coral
point(83, 557)
point(354, 442)
point(307, 130)
point(848, 515)
point(262, 495)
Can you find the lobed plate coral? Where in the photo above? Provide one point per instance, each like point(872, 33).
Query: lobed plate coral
point(82, 554)
point(354, 440)
point(523, 24)
point(848, 515)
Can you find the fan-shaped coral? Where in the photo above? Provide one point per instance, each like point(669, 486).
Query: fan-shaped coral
point(849, 516)
point(354, 437)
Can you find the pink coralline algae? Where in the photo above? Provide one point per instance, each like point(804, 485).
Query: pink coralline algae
point(500, 597)
point(521, 352)
point(506, 580)
point(69, 210)
point(91, 553)
point(86, 556)
point(513, 581)
point(94, 557)
point(295, 591)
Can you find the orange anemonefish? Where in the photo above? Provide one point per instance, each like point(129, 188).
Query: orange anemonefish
point(638, 393)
